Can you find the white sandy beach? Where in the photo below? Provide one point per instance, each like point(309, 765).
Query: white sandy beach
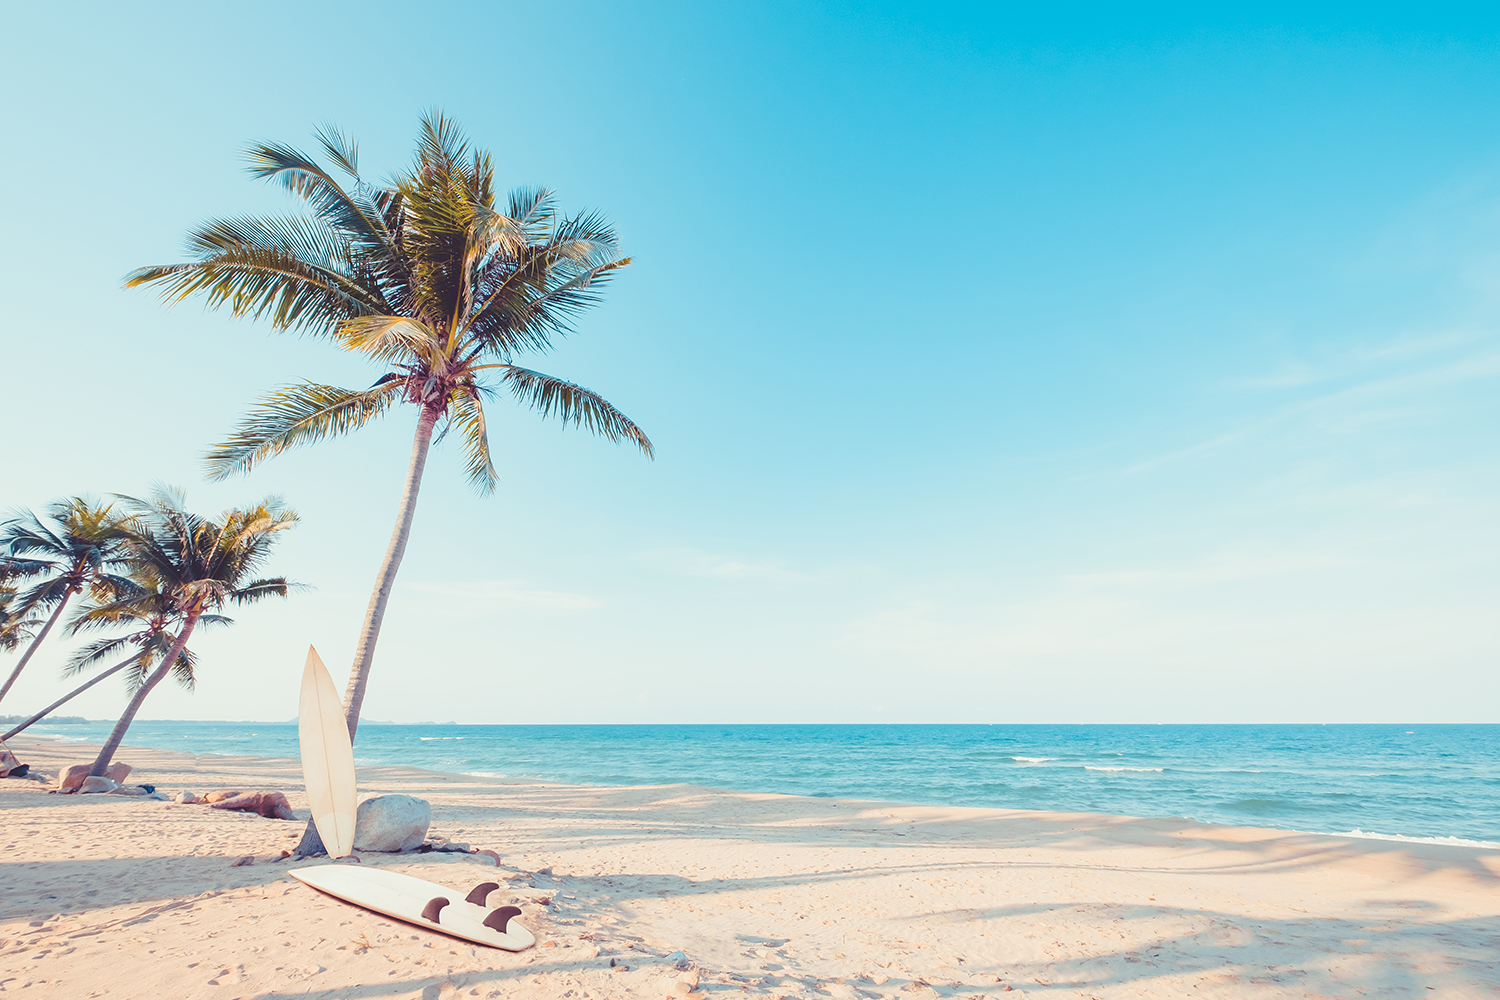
point(767, 895)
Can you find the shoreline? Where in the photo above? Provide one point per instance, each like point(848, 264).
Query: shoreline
point(1356, 833)
point(765, 894)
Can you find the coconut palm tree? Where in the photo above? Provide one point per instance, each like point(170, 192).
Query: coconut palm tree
point(189, 566)
point(76, 547)
point(153, 614)
point(429, 278)
point(17, 621)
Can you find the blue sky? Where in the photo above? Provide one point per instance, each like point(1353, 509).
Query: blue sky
point(1122, 366)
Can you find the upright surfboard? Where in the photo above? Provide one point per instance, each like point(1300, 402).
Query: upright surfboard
point(327, 758)
point(423, 903)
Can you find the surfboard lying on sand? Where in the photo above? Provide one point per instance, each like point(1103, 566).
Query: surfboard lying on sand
point(423, 903)
point(327, 758)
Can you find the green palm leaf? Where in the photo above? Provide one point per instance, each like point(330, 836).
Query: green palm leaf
point(294, 415)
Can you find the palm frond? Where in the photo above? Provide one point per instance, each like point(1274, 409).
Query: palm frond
point(294, 415)
point(391, 338)
point(573, 404)
point(466, 414)
point(89, 655)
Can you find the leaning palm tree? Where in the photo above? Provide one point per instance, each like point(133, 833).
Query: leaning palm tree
point(76, 547)
point(152, 613)
point(190, 566)
point(430, 279)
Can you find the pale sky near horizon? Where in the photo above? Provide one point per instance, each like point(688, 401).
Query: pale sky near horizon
point(1091, 367)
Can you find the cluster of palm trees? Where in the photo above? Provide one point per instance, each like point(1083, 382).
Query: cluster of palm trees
point(150, 567)
point(429, 276)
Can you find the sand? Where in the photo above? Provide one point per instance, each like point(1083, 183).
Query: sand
point(765, 895)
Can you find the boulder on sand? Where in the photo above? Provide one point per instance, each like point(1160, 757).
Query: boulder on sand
point(272, 805)
point(118, 772)
point(72, 776)
point(96, 784)
point(391, 823)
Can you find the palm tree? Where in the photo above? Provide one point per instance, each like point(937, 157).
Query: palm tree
point(76, 551)
point(17, 622)
point(153, 612)
point(189, 566)
point(429, 279)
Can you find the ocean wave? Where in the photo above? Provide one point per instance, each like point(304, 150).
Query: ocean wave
point(1445, 841)
point(1153, 769)
point(1034, 760)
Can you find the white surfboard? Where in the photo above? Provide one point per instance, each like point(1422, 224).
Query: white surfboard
point(423, 903)
point(327, 758)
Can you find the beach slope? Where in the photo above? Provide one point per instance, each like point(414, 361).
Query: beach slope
point(763, 895)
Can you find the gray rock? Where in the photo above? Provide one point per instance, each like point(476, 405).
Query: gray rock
point(391, 823)
point(94, 783)
point(187, 798)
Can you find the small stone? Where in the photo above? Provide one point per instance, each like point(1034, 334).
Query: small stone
point(188, 798)
point(93, 784)
point(690, 977)
point(682, 989)
point(118, 772)
point(248, 859)
point(222, 794)
point(391, 823)
point(678, 959)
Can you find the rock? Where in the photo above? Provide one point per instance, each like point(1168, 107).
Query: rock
point(129, 790)
point(118, 772)
point(690, 977)
point(679, 959)
point(188, 798)
point(159, 797)
point(72, 776)
point(272, 805)
point(391, 823)
point(222, 794)
point(8, 761)
point(22, 771)
point(96, 784)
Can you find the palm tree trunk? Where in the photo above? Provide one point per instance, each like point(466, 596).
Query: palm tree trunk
point(106, 752)
point(364, 653)
point(38, 717)
point(26, 656)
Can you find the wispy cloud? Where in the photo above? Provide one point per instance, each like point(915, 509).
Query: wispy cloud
point(477, 596)
point(720, 566)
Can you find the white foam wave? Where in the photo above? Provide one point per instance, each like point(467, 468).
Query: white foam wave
point(1445, 841)
point(1034, 760)
point(1087, 768)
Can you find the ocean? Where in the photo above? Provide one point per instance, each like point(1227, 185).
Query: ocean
point(1438, 782)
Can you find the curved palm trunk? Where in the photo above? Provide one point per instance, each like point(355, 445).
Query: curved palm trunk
point(26, 656)
point(38, 717)
point(106, 752)
point(364, 653)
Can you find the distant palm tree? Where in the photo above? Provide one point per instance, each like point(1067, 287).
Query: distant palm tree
point(154, 613)
point(429, 279)
point(189, 566)
point(17, 622)
point(78, 550)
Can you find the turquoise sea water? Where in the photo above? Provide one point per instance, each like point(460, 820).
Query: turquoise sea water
point(1405, 781)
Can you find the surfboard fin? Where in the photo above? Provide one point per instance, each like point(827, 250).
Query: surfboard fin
point(433, 908)
point(481, 892)
point(499, 918)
